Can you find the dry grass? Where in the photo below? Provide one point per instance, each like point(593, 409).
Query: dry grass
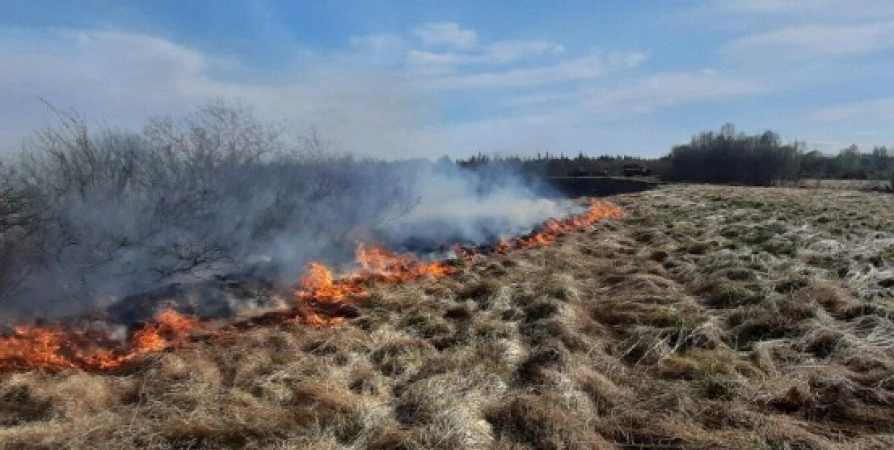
point(843, 184)
point(710, 317)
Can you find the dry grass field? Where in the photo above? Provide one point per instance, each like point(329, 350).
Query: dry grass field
point(862, 185)
point(709, 317)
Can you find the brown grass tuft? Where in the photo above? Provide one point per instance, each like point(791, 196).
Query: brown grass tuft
point(543, 424)
point(398, 357)
point(604, 392)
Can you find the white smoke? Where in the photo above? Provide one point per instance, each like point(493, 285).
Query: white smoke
point(96, 218)
point(474, 207)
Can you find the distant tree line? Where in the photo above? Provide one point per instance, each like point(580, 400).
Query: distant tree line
point(763, 159)
point(560, 165)
point(726, 156)
point(850, 164)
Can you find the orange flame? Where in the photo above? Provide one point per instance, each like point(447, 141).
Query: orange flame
point(317, 300)
point(319, 285)
point(53, 347)
point(376, 262)
point(552, 229)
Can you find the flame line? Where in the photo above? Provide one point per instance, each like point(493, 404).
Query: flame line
point(321, 299)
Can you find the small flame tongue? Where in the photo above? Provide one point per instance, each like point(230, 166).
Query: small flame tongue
point(317, 303)
point(54, 347)
point(553, 228)
point(320, 285)
point(170, 328)
point(378, 263)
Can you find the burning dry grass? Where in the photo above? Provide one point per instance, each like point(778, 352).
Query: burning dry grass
point(709, 317)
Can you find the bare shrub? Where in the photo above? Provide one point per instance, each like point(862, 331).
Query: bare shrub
point(101, 214)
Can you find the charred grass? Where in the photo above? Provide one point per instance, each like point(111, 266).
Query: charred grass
point(709, 317)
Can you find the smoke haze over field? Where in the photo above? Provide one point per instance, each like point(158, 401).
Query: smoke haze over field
point(91, 217)
point(475, 207)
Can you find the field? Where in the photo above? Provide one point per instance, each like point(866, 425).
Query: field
point(864, 185)
point(708, 317)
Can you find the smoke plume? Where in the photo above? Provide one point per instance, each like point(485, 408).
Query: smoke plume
point(91, 218)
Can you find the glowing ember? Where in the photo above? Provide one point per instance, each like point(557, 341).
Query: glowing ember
point(320, 300)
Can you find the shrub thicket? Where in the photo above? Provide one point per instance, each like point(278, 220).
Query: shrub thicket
point(727, 157)
point(89, 214)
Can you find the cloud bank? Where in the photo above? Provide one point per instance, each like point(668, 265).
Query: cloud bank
point(429, 88)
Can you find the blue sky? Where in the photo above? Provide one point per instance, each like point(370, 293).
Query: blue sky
point(425, 78)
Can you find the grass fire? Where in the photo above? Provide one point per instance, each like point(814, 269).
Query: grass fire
point(70, 346)
point(172, 291)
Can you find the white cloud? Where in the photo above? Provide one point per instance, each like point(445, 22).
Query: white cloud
point(380, 96)
point(870, 110)
point(508, 51)
point(574, 69)
point(497, 53)
point(32, 57)
point(815, 41)
point(446, 33)
point(105, 75)
point(380, 47)
point(834, 9)
point(433, 62)
point(669, 88)
point(645, 95)
point(369, 106)
point(122, 78)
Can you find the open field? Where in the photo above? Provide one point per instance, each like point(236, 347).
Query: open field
point(861, 185)
point(709, 317)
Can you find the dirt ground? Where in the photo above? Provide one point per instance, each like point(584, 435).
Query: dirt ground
point(708, 317)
